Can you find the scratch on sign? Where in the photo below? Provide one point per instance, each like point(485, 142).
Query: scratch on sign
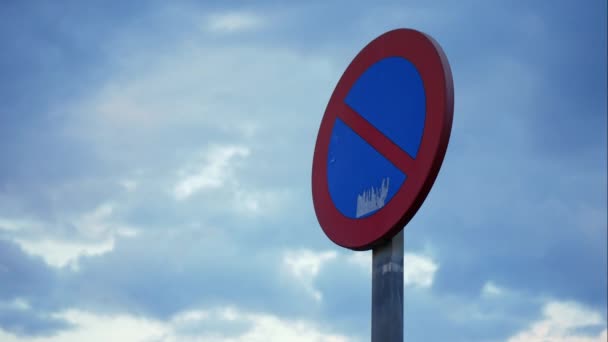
point(372, 199)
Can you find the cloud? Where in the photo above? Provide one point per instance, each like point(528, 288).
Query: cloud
point(562, 322)
point(418, 270)
point(27, 293)
point(202, 97)
point(62, 244)
point(210, 261)
point(233, 22)
point(27, 324)
point(216, 173)
point(215, 170)
point(58, 253)
point(13, 225)
point(304, 265)
point(193, 325)
point(490, 289)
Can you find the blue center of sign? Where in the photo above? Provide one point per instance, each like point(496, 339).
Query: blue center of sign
point(390, 96)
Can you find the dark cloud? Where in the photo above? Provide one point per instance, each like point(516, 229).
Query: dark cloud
point(148, 276)
point(23, 275)
point(29, 281)
point(31, 323)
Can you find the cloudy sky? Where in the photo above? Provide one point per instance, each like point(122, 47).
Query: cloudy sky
point(156, 161)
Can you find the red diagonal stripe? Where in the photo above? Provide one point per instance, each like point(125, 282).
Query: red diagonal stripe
point(376, 139)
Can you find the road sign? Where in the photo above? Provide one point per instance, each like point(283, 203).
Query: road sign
point(382, 139)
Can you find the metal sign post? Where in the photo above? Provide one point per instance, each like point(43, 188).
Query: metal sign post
point(387, 291)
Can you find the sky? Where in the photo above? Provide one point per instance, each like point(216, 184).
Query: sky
point(156, 162)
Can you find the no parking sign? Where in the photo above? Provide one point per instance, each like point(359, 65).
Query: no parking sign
point(382, 139)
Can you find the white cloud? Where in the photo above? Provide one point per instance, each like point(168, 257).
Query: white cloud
point(213, 172)
point(61, 253)
point(260, 327)
point(94, 224)
point(233, 22)
point(15, 225)
point(272, 328)
point(490, 289)
point(304, 265)
point(95, 234)
point(361, 259)
point(216, 170)
point(97, 328)
point(561, 323)
point(419, 270)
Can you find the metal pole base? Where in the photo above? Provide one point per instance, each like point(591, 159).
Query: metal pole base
point(387, 291)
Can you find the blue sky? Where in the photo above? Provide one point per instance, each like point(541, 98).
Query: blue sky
point(156, 161)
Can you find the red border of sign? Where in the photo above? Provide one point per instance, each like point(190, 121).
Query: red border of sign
point(430, 61)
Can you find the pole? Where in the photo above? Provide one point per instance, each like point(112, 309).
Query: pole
point(387, 291)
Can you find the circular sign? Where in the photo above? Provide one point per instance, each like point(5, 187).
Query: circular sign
point(382, 139)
